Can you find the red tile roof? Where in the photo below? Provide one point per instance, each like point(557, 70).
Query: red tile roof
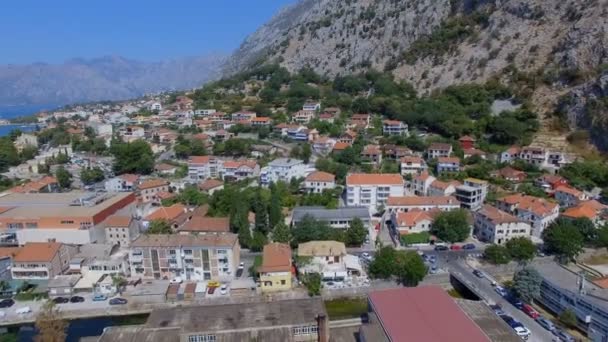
point(167, 213)
point(320, 176)
point(152, 183)
point(374, 179)
point(37, 252)
point(421, 200)
point(207, 224)
point(339, 146)
point(210, 184)
point(118, 221)
point(454, 160)
point(466, 138)
point(276, 258)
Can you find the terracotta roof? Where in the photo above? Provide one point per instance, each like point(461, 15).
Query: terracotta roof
point(509, 172)
point(423, 176)
point(437, 184)
point(320, 176)
point(276, 257)
point(466, 138)
point(152, 183)
point(538, 206)
point(8, 252)
point(235, 164)
point(473, 151)
point(210, 184)
point(207, 224)
point(440, 146)
point(167, 213)
point(413, 217)
point(185, 240)
point(321, 248)
point(496, 216)
point(118, 221)
point(37, 252)
point(261, 119)
point(412, 159)
point(572, 191)
point(35, 186)
point(589, 209)
point(374, 179)
point(421, 200)
point(339, 146)
point(392, 122)
point(199, 159)
point(454, 160)
point(163, 195)
point(513, 150)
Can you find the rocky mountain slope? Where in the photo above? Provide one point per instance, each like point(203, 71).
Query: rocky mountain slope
point(106, 78)
point(551, 51)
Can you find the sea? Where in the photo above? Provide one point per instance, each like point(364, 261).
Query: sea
point(11, 112)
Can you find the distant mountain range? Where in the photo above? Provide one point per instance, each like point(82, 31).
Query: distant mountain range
point(105, 78)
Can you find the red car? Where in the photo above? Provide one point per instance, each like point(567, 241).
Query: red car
point(211, 290)
point(530, 311)
point(455, 247)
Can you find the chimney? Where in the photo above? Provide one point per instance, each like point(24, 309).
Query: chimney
point(322, 321)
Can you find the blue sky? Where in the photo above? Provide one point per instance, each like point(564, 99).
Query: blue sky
point(56, 30)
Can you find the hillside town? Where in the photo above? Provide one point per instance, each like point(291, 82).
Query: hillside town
point(147, 204)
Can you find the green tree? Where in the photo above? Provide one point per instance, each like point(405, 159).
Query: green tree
point(521, 249)
point(281, 233)
point(602, 236)
point(312, 281)
point(91, 175)
point(526, 283)
point(383, 265)
point(452, 226)
point(135, 157)
point(409, 268)
point(564, 239)
point(497, 254)
point(568, 318)
point(160, 226)
point(275, 212)
point(305, 153)
point(50, 325)
point(258, 241)
point(261, 213)
point(356, 233)
point(309, 229)
point(587, 229)
point(28, 152)
point(245, 238)
point(192, 196)
point(8, 154)
point(64, 177)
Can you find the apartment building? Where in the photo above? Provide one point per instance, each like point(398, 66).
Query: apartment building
point(372, 190)
point(243, 116)
point(41, 260)
point(538, 212)
point(282, 169)
point(437, 150)
point(324, 145)
point(72, 218)
point(394, 127)
point(420, 184)
point(191, 257)
point(421, 203)
point(319, 181)
point(472, 193)
point(149, 189)
point(121, 230)
point(440, 188)
point(123, 183)
point(412, 165)
point(446, 165)
point(339, 218)
point(303, 117)
point(204, 167)
point(371, 154)
point(236, 170)
point(276, 269)
point(496, 226)
point(568, 197)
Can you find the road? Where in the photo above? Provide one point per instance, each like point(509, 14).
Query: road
point(484, 288)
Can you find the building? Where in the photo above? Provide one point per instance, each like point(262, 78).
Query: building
point(340, 218)
point(165, 169)
point(424, 313)
point(412, 222)
point(243, 116)
point(466, 142)
point(210, 186)
point(311, 106)
point(191, 257)
point(261, 122)
point(538, 212)
point(150, 188)
point(282, 169)
point(447, 165)
point(205, 225)
point(295, 320)
point(328, 258)
point(25, 140)
point(204, 167)
point(421, 203)
point(472, 193)
point(511, 154)
point(121, 230)
point(533, 155)
point(440, 188)
point(361, 121)
point(412, 165)
point(510, 174)
point(592, 210)
point(95, 261)
point(72, 218)
point(568, 197)
point(550, 183)
point(420, 184)
point(175, 215)
point(372, 190)
point(122, 183)
point(276, 270)
point(324, 145)
point(394, 127)
point(41, 260)
point(236, 170)
point(6, 261)
point(319, 181)
point(496, 226)
point(437, 150)
point(45, 184)
point(371, 154)
point(303, 117)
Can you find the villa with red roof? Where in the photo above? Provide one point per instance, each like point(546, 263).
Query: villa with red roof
point(319, 181)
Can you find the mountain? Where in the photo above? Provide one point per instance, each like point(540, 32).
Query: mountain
point(553, 53)
point(105, 78)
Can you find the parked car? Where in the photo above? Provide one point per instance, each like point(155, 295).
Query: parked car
point(7, 303)
point(455, 247)
point(433, 259)
point(564, 336)
point(515, 301)
point(239, 272)
point(100, 298)
point(211, 290)
point(366, 256)
point(522, 332)
point(501, 291)
point(441, 248)
point(545, 323)
point(118, 301)
point(497, 310)
point(24, 310)
point(224, 289)
point(176, 280)
point(469, 246)
point(60, 300)
point(76, 299)
point(241, 266)
point(478, 273)
point(529, 310)
point(433, 269)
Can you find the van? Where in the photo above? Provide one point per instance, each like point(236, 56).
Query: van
point(24, 310)
point(529, 310)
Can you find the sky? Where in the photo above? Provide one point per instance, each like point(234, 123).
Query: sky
point(53, 31)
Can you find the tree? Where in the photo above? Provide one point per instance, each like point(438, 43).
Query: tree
point(281, 233)
point(258, 241)
point(8, 154)
point(134, 157)
point(91, 175)
point(564, 239)
point(383, 265)
point(356, 233)
point(245, 236)
point(312, 281)
point(309, 229)
point(261, 213)
point(568, 318)
point(521, 249)
point(275, 213)
point(409, 268)
point(305, 153)
point(159, 227)
point(64, 178)
point(51, 327)
point(602, 236)
point(587, 229)
point(452, 226)
point(498, 255)
point(526, 283)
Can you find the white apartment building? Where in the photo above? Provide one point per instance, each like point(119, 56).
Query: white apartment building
point(569, 197)
point(394, 127)
point(204, 167)
point(439, 188)
point(538, 212)
point(472, 193)
point(372, 190)
point(282, 169)
point(319, 181)
point(422, 183)
point(496, 226)
point(421, 203)
point(412, 165)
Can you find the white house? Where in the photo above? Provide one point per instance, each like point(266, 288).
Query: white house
point(437, 150)
point(311, 106)
point(412, 165)
point(496, 226)
point(439, 188)
point(421, 203)
point(282, 169)
point(155, 106)
point(421, 184)
point(126, 182)
point(538, 212)
point(411, 222)
point(372, 189)
point(569, 197)
point(394, 127)
point(318, 181)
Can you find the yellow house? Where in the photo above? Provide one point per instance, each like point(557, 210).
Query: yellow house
point(275, 271)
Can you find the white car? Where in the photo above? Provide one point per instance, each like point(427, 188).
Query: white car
point(241, 266)
point(522, 332)
point(176, 280)
point(224, 289)
point(24, 310)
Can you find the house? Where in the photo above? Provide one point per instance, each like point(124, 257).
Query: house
point(592, 210)
point(95, 261)
point(550, 183)
point(199, 257)
point(323, 145)
point(204, 112)
point(122, 183)
point(41, 260)
point(236, 170)
point(298, 133)
point(371, 154)
point(327, 117)
point(533, 155)
point(511, 154)
point(436, 150)
point(210, 186)
point(448, 165)
point(340, 218)
point(25, 140)
point(319, 181)
point(121, 230)
point(411, 222)
point(311, 106)
point(165, 169)
point(327, 258)
point(6, 261)
point(440, 188)
point(567, 196)
point(150, 188)
point(175, 215)
point(394, 152)
point(243, 116)
point(348, 137)
point(132, 133)
point(205, 225)
point(496, 226)
point(372, 190)
point(155, 106)
point(394, 127)
point(466, 142)
point(421, 203)
point(471, 152)
point(62, 285)
point(360, 121)
point(538, 212)
point(261, 122)
point(275, 271)
point(421, 183)
point(204, 167)
point(339, 147)
point(46, 184)
point(412, 165)
point(303, 117)
point(509, 174)
point(472, 193)
point(282, 169)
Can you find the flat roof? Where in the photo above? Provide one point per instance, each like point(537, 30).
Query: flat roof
point(425, 313)
point(492, 325)
point(321, 213)
point(244, 316)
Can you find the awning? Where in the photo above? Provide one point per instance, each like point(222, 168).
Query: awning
point(352, 262)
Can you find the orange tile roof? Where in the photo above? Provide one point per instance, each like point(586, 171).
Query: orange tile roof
point(539, 206)
point(589, 209)
point(320, 176)
point(37, 252)
point(276, 257)
point(496, 216)
point(455, 160)
point(152, 183)
point(235, 164)
point(261, 119)
point(374, 179)
point(411, 218)
point(9, 252)
point(167, 213)
point(437, 184)
point(371, 149)
point(210, 184)
point(440, 146)
point(572, 191)
point(163, 195)
point(339, 146)
point(118, 221)
point(466, 138)
point(34, 186)
point(421, 200)
point(391, 122)
point(412, 159)
point(129, 177)
point(199, 159)
point(207, 224)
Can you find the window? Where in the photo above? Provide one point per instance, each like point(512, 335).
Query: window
point(202, 338)
point(67, 222)
point(172, 251)
point(283, 282)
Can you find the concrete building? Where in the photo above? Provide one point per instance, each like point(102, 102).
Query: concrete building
point(372, 190)
point(420, 184)
point(496, 226)
point(191, 257)
point(72, 218)
point(568, 197)
point(437, 150)
point(282, 169)
point(412, 165)
point(371, 154)
point(340, 218)
point(122, 183)
point(538, 212)
point(41, 260)
point(421, 203)
point(472, 193)
point(276, 270)
point(447, 165)
point(95, 261)
point(121, 230)
point(148, 189)
point(25, 140)
point(439, 188)
point(319, 181)
point(394, 127)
